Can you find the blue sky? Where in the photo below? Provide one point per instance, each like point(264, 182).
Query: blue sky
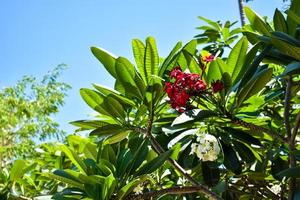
point(35, 36)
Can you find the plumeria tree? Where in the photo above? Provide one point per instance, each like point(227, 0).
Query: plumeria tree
point(195, 125)
point(198, 125)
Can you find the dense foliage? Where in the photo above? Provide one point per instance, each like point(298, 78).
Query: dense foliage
point(212, 123)
point(26, 111)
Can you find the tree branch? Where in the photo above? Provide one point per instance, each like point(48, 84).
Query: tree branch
point(170, 191)
point(292, 157)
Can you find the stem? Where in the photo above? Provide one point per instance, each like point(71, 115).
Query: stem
point(172, 191)
point(292, 157)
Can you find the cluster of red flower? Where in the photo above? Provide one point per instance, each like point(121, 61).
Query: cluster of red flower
point(186, 85)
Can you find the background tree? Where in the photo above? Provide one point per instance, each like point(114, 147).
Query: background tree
point(25, 114)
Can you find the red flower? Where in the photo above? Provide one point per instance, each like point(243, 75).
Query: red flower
point(199, 86)
point(169, 89)
point(208, 58)
point(217, 86)
point(184, 86)
point(176, 72)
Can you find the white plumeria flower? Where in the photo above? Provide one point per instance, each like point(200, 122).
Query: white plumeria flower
point(207, 148)
point(138, 189)
point(276, 189)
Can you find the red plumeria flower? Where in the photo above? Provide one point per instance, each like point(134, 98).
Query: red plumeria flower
point(185, 86)
point(217, 86)
point(208, 58)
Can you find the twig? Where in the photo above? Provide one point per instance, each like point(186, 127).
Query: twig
point(292, 158)
point(254, 127)
point(170, 191)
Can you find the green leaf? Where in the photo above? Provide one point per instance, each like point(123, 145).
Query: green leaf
point(291, 69)
point(108, 187)
point(242, 136)
point(139, 156)
point(247, 62)
point(237, 57)
point(117, 137)
point(75, 159)
point(211, 174)
point(293, 16)
point(291, 172)
point(19, 168)
point(292, 25)
point(114, 107)
point(129, 187)
point(138, 49)
point(109, 92)
point(169, 58)
point(287, 38)
point(88, 124)
point(256, 84)
point(154, 164)
point(108, 60)
point(107, 130)
point(64, 177)
point(128, 77)
point(231, 160)
point(213, 24)
point(93, 99)
point(279, 22)
point(216, 69)
point(286, 48)
point(123, 162)
point(193, 115)
point(257, 22)
point(244, 152)
point(253, 66)
point(151, 58)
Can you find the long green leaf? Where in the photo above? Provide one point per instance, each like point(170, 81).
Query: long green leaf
point(154, 164)
point(279, 22)
point(107, 59)
point(75, 159)
point(107, 92)
point(257, 22)
point(151, 59)
point(169, 58)
point(237, 57)
point(292, 25)
point(293, 68)
point(93, 99)
point(286, 48)
point(291, 172)
point(127, 76)
point(256, 84)
point(216, 69)
point(138, 49)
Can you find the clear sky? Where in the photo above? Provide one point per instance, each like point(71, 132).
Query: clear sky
point(37, 35)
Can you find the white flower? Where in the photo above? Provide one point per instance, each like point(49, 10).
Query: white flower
point(276, 189)
point(207, 149)
point(138, 189)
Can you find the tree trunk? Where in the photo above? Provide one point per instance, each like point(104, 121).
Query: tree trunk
point(242, 14)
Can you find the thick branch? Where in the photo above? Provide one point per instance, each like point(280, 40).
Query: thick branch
point(170, 191)
point(292, 157)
